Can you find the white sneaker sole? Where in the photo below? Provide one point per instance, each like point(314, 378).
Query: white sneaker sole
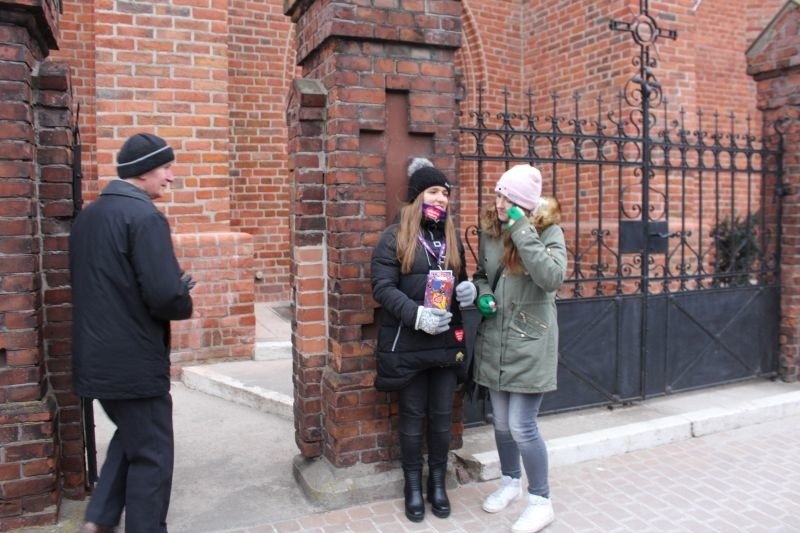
point(535, 528)
point(490, 509)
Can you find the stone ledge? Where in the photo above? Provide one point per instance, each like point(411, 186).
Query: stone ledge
point(335, 488)
point(208, 381)
point(272, 350)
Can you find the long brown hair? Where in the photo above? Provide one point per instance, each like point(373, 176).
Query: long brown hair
point(410, 225)
point(546, 214)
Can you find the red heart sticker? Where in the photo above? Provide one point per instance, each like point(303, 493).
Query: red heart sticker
point(459, 335)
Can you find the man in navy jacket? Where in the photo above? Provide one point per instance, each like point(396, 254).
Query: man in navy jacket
point(127, 286)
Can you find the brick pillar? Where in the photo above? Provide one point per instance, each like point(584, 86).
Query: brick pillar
point(378, 86)
point(39, 444)
point(306, 119)
point(55, 141)
point(773, 62)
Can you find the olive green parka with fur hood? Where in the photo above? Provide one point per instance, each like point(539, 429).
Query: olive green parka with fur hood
point(517, 349)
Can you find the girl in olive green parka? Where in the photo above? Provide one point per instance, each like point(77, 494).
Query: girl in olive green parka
point(522, 264)
point(517, 346)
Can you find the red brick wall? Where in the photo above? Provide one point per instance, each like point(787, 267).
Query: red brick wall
point(492, 56)
point(76, 47)
point(544, 44)
point(164, 68)
point(261, 65)
point(222, 326)
point(567, 48)
point(773, 63)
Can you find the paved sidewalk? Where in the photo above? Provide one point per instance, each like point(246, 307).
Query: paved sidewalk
point(741, 480)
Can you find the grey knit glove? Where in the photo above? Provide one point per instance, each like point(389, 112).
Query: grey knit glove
point(433, 320)
point(466, 293)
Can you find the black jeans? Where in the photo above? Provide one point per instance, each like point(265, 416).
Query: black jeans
point(137, 472)
point(428, 396)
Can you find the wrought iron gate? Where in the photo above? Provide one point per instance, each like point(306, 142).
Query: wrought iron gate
point(673, 227)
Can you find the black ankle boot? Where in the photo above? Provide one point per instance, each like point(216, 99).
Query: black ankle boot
point(437, 491)
point(415, 504)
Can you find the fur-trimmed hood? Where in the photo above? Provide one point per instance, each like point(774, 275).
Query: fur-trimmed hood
point(547, 213)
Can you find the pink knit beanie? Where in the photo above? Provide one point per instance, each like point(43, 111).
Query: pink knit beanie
point(522, 185)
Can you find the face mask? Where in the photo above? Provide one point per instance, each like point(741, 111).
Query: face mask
point(433, 213)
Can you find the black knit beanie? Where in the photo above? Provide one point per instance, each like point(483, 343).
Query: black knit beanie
point(423, 178)
point(142, 153)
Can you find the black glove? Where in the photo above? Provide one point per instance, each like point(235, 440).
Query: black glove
point(187, 279)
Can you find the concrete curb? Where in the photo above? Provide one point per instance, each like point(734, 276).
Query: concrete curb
point(334, 488)
point(745, 414)
point(337, 487)
point(605, 443)
point(204, 379)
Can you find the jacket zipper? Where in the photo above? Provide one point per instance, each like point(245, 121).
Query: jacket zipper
point(397, 337)
point(502, 343)
point(533, 319)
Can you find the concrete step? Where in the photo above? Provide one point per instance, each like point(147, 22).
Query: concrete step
point(263, 385)
point(272, 350)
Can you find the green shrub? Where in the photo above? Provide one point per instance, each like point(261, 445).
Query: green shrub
point(736, 246)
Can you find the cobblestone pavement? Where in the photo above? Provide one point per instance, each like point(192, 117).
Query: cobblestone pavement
point(741, 480)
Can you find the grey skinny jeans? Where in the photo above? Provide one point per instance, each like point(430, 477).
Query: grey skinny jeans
point(517, 434)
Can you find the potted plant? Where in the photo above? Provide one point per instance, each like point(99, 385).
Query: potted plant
point(736, 247)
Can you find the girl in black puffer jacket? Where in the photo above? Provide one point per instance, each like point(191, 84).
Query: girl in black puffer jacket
point(420, 349)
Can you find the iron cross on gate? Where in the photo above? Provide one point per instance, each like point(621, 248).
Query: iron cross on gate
point(645, 32)
point(398, 145)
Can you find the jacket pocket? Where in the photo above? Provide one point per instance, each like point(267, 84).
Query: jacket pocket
point(530, 320)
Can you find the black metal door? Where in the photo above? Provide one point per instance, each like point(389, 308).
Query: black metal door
point(673, 233)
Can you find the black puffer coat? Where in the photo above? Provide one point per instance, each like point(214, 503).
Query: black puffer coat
point(403, 351)
point(126, 287)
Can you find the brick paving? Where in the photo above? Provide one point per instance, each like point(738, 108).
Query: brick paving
point(746, 479)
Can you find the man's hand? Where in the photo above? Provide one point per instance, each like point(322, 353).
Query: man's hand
point(187, 279)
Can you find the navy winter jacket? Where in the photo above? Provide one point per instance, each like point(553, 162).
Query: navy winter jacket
point(402, 350)
point(126, 287)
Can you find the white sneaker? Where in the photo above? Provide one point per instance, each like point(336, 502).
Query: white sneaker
point(510, 489)
point(536, 516)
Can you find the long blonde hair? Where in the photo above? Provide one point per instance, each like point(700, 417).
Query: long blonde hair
point(409, 228)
